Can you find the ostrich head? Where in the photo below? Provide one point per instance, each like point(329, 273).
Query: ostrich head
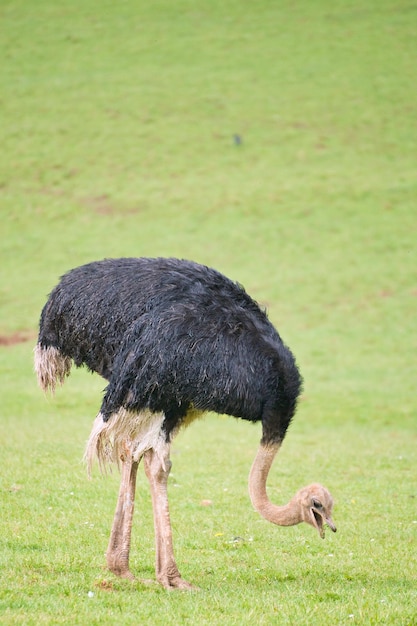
point(312, 504)
point(315, 507)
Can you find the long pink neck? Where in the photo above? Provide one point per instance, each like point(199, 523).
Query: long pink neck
point(287, 515)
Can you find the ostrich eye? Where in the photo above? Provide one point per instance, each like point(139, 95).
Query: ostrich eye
point(317, 504)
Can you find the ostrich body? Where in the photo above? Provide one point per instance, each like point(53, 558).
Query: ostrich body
point(174, 340)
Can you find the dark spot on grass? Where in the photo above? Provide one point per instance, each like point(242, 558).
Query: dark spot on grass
point(103, 205)
point(105, 585)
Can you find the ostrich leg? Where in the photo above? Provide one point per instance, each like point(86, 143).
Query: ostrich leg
point(157, 473)
point(119, 545)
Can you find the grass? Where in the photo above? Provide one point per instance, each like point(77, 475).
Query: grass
point(118, 126)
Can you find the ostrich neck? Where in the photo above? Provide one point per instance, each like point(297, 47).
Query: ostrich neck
point(286, 515)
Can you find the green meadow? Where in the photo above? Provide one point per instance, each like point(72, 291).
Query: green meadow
point(276, 142)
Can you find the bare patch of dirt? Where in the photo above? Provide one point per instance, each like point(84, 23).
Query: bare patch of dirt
point(105, 585)
point(19, 336)
point(103, 205)
point(100, 204)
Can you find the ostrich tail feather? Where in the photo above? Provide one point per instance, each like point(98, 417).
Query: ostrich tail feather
point(51, 367)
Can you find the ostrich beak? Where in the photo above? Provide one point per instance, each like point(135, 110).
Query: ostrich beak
point(319, 519)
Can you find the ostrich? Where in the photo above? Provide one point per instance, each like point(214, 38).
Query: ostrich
point(173, 339)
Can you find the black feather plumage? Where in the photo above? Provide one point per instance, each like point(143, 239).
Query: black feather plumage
point(170, 335)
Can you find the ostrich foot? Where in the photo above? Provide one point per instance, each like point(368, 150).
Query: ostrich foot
point(169, 577)
point(176, 583)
